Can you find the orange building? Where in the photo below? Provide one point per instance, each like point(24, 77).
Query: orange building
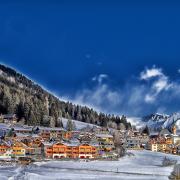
point(72, 151)
point(3, 147)
point(87, 151)
point(67, 135)
point(59, 150)
point(64, 150)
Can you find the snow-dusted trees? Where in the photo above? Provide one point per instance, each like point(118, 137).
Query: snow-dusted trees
point(71, 125)
point(120, 148)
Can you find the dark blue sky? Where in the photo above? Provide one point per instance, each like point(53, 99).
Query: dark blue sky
point(67, 46)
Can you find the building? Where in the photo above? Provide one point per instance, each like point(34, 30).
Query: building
point(52, 133)
point(19, 149)
point(133, 143)
point(47, 149)
point(105, 142)
point(4, 147)
point(59, 150)
point(152, 146)
point(70, 150)
point(34, 147)
point(87, 151)
point(9, 118)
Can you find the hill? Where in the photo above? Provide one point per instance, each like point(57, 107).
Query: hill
point(36, 106)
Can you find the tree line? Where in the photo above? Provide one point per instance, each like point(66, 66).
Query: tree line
point(35, 106)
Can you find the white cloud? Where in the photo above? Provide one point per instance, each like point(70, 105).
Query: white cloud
point(149, 73)
point(178, 70)
point(100, 78)
point(150, 98)
point(133, 98)
point(160, 83)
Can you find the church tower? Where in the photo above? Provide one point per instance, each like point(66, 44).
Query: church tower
point(174, 130)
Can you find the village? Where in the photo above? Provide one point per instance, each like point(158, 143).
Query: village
point(25, 144)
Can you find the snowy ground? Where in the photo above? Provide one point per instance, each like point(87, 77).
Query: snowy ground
point(145, 165)
point(79, 125)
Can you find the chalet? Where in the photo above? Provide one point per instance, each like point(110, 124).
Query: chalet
point(4, 147)
point(47, 149)
point(67, 135)
point(87, 151)
point(34, 147)
point(9, 118)
point(105, 142)
point(51, 133)
point(19, 149)
point(72, 150)
point(6, 155)
point(22, 129)
point(59, 150)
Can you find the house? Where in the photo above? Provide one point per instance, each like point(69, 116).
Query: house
point(22, 129)
point(34, 147)
point(4, 147)
point(169, 140)
point(176, 139)
point(133, 143)
point(19, 149)
point(72, 150)
point(59, 150)
point(47, 149)
point(162, 147)
point(9, 118)
point(153, 146)
point(67, 135)
point(48, 133)
point(87, 151)
point(105, 142)
point(164, 133)
point(6, 155)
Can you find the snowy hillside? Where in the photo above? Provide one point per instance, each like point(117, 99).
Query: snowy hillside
point(79, 125)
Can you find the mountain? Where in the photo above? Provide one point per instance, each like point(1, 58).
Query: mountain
point(156, 122)
point(36, 106)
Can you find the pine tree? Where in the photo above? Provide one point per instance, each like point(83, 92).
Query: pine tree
point(73, 126)
point(69, 125)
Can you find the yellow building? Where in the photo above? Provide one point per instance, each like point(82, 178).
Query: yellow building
point(19, 149)
point(169, 140)
point(105, 141)
point(162, 147)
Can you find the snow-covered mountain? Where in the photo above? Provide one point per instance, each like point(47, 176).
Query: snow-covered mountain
point(156, 122)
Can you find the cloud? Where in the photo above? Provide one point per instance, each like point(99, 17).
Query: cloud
point(150, 73)
point(151, 91)
point(160, 82)
point(101, 97)
point(100, 78)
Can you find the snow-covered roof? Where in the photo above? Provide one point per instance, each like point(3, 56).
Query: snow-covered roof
point(51, 129)
point(104, 136)
point(45, 143)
